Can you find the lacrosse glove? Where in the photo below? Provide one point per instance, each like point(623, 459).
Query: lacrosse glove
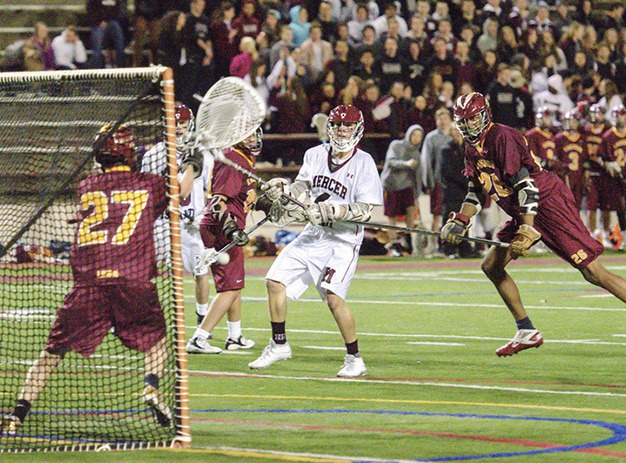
point(234, 233)
point(457, 226)
point(525, 237)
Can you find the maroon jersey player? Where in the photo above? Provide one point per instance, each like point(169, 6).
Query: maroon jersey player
point(233, 195)
point(498, 163)
point(571, 150)
point(112, 260)
point(541, 140)
point(598, 196)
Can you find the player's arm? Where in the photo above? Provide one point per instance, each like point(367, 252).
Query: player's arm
point(328, 211)
point(458, 223)
point(528, 199)
point(219, 212)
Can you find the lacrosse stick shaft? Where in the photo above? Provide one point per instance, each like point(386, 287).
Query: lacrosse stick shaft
point(423, 231)
point(224, 160)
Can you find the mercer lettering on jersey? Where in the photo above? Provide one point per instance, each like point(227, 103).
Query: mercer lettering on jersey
point(330, 184)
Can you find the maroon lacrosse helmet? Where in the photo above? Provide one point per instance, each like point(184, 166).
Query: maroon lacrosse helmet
point(115, 148)
point(467, 107)
point(183, 132)
point(345, 127)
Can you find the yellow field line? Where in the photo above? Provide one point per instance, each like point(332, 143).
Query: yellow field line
point(420, 402)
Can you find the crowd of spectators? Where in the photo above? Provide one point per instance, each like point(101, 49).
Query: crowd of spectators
point(398, 61)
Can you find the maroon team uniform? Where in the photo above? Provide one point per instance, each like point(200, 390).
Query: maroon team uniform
point(239, 189)
point(490, 165)
point(113, 261)
point(596, 196)
point(613, 148)
point(572, 152)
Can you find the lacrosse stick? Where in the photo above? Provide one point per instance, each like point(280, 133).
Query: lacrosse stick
point(209, 256)
point(427, 232)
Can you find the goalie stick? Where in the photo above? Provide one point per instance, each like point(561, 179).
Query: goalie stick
point(423, 231)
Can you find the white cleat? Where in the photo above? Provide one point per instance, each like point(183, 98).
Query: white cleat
point(160, 411)
point(271, 354)
point(353, 366)
point(201, 346)
point(239, 343)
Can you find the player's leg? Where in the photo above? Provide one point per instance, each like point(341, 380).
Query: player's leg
point(202, 284)
point(353, 364)
point(217, 309)
point(36, 379)
point(289, 276)
point(494, 266)
point(236, 339)
point(155, 360)
point(598, 275)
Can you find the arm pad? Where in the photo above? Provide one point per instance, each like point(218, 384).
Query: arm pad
point(472, 196)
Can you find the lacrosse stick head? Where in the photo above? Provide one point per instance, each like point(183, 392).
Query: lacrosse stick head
point(231, 111)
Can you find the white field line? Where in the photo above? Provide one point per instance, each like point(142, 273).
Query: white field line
point(412, 383)
point(429, 343)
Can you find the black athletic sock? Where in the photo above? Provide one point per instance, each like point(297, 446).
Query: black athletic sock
point(21, 409)
point(278, 332)
point(151, 380)
point(621, 218)
point(353, 348)
point(525, 324)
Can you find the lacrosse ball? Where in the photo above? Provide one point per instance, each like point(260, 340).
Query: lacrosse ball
point(223, 258)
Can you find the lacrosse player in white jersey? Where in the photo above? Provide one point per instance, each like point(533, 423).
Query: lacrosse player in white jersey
point(343, 184)
point(194, 177)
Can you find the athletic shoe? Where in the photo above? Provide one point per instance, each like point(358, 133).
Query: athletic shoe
point(524, 339)
point(616, 238)
point(353, 366)
point(201, 346)
point(161, 412)
point(10, 424)
point(239, 343)
point(271, 354)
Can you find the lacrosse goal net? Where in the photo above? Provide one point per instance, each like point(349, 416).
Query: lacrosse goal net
point(48, 125)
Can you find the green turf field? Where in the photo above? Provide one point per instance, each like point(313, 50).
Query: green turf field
point(435, 390)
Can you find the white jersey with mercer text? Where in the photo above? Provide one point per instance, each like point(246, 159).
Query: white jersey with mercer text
point(355, 180)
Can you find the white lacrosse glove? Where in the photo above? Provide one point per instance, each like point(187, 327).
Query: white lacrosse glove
point(275, 188)
point(204, 260)
point(322, 212)
point(613, 168)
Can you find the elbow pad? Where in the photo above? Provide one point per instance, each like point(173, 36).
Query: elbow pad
point(527, 196)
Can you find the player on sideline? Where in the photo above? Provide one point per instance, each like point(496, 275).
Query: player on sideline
point(193, 180)
point(112, 265)
point(499, 163)
point(233, 195)
point(344, 184)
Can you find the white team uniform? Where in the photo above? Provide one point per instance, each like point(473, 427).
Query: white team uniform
point(191, 209)
point(326, 255)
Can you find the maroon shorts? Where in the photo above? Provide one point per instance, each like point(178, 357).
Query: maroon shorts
point(229, 277)
point(89, 312)
point(397, 202)
point(577, 187)
point(436, 200)
point(592, 195)
point(562, 230)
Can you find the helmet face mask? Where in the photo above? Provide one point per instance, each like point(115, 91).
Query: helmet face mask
point(184, 124)
point(254, 142)
point(472, 116)
point(345, 128)
point(570, 121)
point(115, 148)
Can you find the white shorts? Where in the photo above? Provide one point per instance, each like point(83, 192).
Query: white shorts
point(190, 247)
point(316, 259)
point(190, 244)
